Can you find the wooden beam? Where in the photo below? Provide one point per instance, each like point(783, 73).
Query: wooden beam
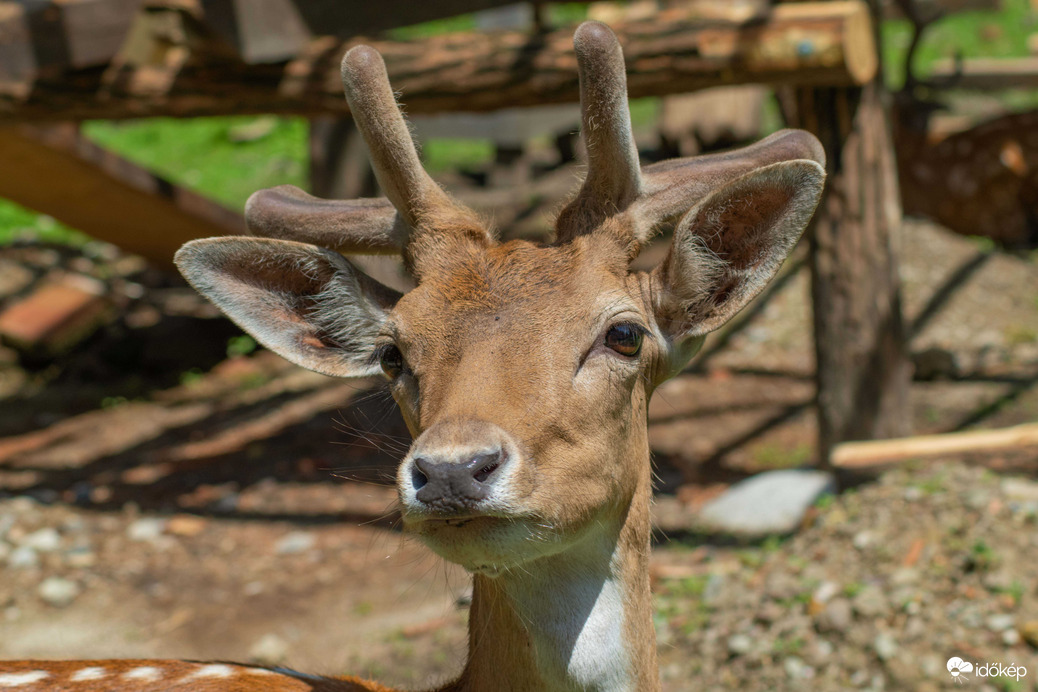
point(987, 74)
point(189, 74)
point(46, 36)
point(878, 453)
point(57, 172)
point(275, 30)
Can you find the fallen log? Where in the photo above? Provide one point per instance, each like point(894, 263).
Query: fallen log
point(172, 67)
point(878, 453)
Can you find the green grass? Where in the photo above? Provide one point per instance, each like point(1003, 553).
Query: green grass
point(19, 223)
point(201, 153)
point(995, 34)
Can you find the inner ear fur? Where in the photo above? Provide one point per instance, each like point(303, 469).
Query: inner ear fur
point(727, 247)
point(308, 304)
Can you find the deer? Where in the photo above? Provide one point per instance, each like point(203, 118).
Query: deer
point(522, 369)
point(980, 181)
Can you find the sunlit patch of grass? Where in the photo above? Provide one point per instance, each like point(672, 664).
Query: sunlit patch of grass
point(19, 223)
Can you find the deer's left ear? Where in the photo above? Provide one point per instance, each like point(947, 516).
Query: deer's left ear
point(305, 303)
point(728, 247)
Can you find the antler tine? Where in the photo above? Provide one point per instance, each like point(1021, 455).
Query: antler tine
point(614, 177)
point(356, 226)
point(393, 154)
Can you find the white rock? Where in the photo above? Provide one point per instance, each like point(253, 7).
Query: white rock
point(885, 646)
point(294, 543)
point(797, 669)
point(1020, 489)
point(825, 591)
point(773, 502)
point(23, 557)
point(146, 529)
point(45, 540)
point(740, 644)
point(1000, 622)
point(270, 650)
point(58, 592)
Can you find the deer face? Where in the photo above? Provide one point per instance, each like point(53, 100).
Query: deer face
point(489, 362)
point(523, 370)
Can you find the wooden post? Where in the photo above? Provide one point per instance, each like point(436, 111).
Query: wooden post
point(339, 164)
point(863, 370)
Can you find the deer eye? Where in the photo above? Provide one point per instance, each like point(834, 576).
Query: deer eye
point(625, 339)
point(391, 360)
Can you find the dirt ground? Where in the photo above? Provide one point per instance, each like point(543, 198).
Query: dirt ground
point(159, 498)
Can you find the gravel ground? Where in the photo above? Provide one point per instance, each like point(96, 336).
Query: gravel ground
point(889, 583)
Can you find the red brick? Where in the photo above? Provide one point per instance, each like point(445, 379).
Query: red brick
point(56, 316)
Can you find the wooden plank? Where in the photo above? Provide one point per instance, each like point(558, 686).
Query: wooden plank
point(987, 74)
point(59, 34)
point(676, 51)
point(878, 453)
point(276, 30)
point(57, 172)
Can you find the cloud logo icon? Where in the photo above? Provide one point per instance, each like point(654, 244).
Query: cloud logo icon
point(957, 667)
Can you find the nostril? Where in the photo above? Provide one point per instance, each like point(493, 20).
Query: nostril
point(484, 473)
point(484, 465)
point(418, 475)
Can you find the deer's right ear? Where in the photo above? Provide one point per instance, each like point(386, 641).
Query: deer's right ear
point(731, 244)
point(307, 304)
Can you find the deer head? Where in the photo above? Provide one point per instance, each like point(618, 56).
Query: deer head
point(522, 369)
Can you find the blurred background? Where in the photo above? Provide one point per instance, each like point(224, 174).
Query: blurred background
point(847, 476)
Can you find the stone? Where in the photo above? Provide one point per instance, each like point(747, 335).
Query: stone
point(871, 602)
point(740, 644)
point(825, 591)
point(270, 650)
point(23, 557)
point(885, 646)
point(820, 652)
point(146, 529)
point(773, 502)
point(796, 669)
point(295, 543)
point(13, 278)
point(1020, 489)
point(1000, 622)
point(80, 557)
point(1010, 637)
point(58, 592)
point(904, 575)
point(836, 617)
point(46, 540)
point(863, 539)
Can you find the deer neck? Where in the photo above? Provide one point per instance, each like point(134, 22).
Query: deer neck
point(577, 620)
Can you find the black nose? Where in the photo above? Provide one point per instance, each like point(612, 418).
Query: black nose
point(446, 483)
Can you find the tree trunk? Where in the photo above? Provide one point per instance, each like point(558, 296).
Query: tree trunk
point(339, 164)
point(863, 370)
